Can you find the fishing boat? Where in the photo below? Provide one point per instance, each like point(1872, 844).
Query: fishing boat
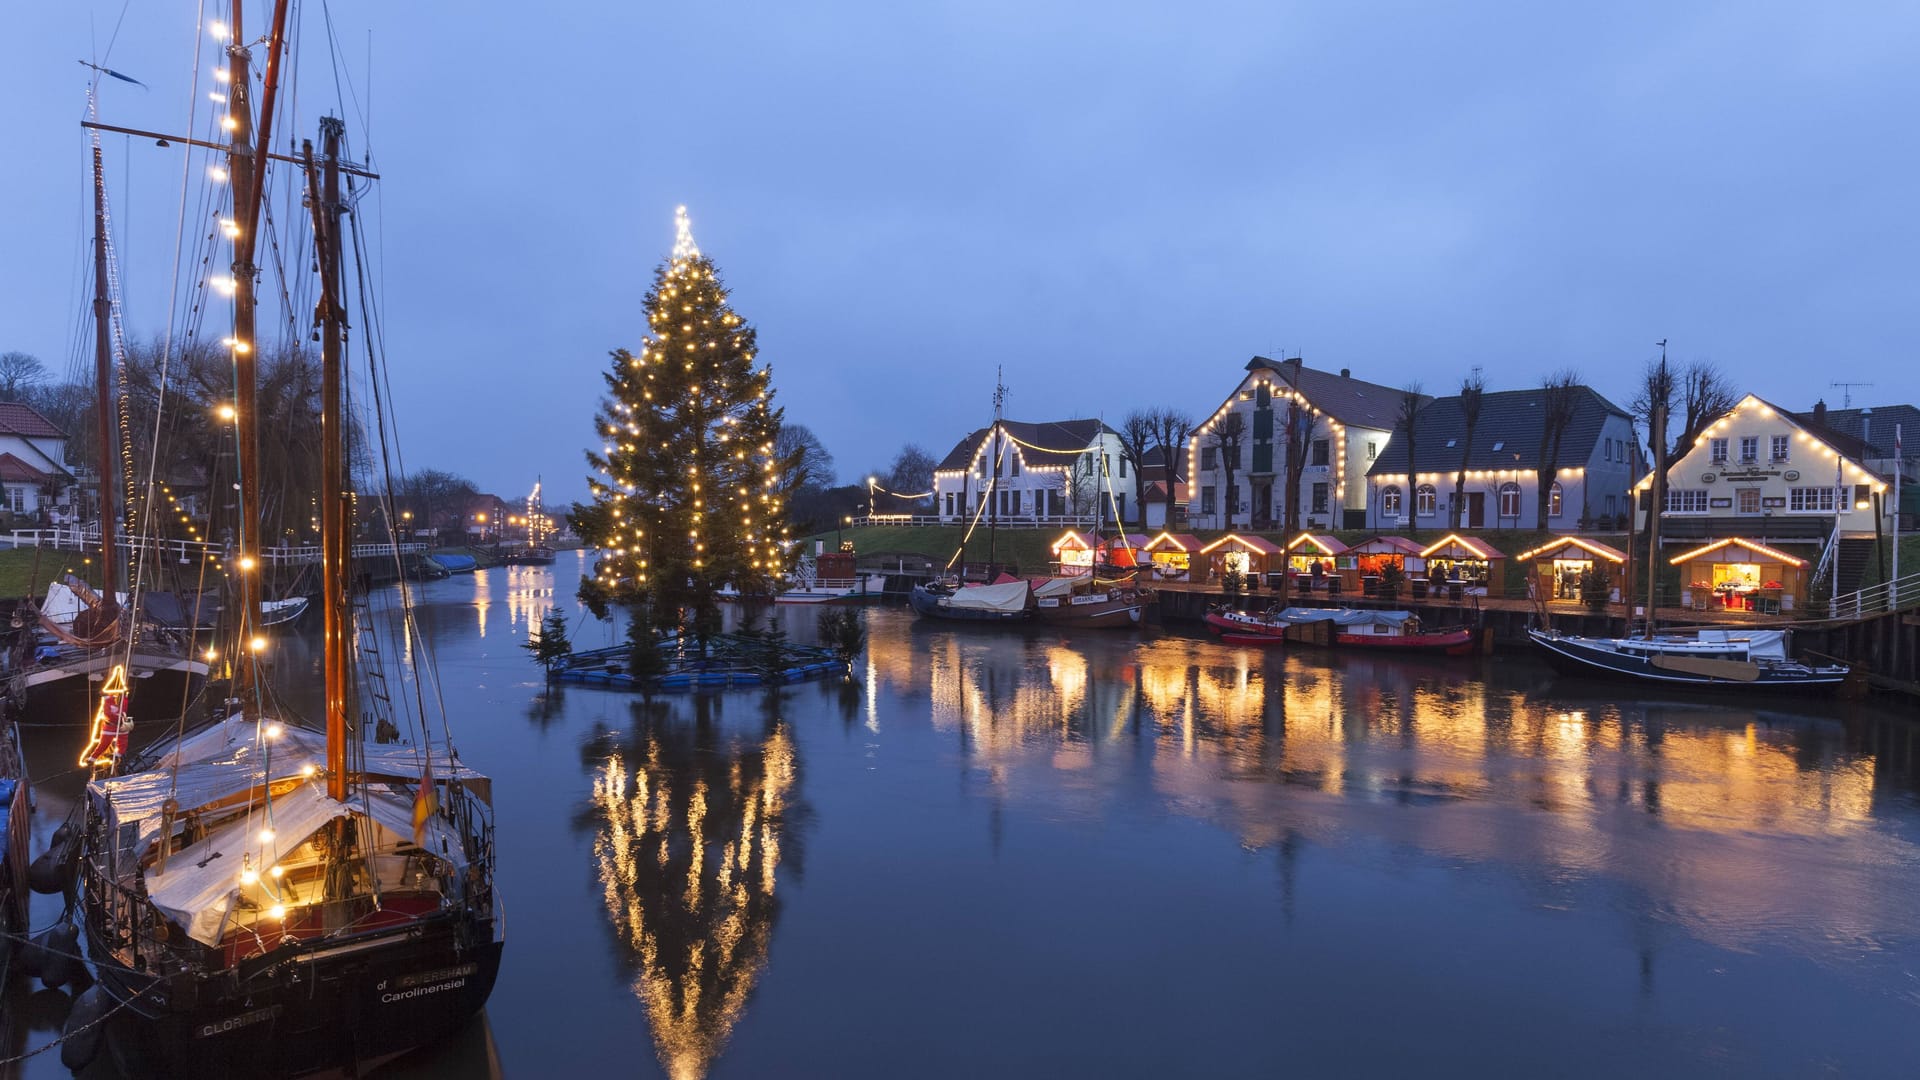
point(1347, 628)
point(1005, 602)
point(537, 552)
point(1743, 659)
point(827, 578)
point(1089, 601)
point(265, 898)
point(531, 555)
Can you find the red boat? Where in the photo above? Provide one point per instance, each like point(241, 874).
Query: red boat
point(1343, 627)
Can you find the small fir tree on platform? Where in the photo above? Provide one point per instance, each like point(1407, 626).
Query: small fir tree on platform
point(549, 645)
point(686, 491)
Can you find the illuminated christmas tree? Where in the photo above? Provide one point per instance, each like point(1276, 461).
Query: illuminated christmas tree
point(686, 492)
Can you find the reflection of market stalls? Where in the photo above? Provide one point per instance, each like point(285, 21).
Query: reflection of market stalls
point(1462, 565)
point(1741, 575)
point(1074, 553)
point(1559, 564)
point(1252, 556)
point(1171, 554)
point(1373, 556)
point(1316, 562)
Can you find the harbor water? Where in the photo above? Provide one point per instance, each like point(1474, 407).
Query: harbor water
point(1116, 853)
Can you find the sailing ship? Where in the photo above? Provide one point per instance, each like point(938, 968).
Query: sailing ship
point(1089, 601)
point(1003, 602)
point(264, 898)
point(1709, 659)
point(535, 553)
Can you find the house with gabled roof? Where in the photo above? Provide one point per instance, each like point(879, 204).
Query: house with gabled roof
point(1498, 475)
point(1245, 485)
point(1015, 472)
point(34, 474)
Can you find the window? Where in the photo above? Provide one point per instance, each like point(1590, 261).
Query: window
point(1319, 503)
point(1686, 501)
point(1607, 449)
point(1747, 500)
point(1014, 470)
point(1209, 457)
point(17, 499)
point(1499, 446)
point(1123, 466)
point(1246, 395)
point(1390, 501)
point(1510, 500)
point(1612, 506)
point(1749, 449)
point(1555, 500)
point(1426, 500)
point(1810, 500)
point(1233, 457)
point(949, 504)
point(1322, 452)
point(1780, 443)
point(1451, 443)
point(1373, 450)
point(1717, 449)
point(1206, 499)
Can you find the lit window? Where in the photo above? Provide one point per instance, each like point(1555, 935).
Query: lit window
point(1425, 500)
point(1717, 450)
point(1509, 500)
point(1780, 444)
point(1390, 501)
point(1749, 449)
point(1747, 500)
point(1555, 496)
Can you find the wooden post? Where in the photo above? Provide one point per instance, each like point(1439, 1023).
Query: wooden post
point(324, 198)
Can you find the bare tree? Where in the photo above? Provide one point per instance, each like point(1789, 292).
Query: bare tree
point(1559, 400)
point(1136, 439)
point(911, 472)
point(1473, 391)
point(1705, 394)
point(1411, 399)
point(19, 373)
point(1228, 433)
point(1297, 432)
point(805, 464)
point(1171, 427)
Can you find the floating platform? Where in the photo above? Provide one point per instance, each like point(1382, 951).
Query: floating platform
point(730, 661)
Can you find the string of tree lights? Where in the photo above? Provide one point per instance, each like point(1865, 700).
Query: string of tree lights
point(686, 492)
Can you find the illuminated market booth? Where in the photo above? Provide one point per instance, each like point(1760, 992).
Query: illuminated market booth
point(1560, 564)
point(1741, 575)
point(1252, 556)
point(1373, 556)
point(1124, 551)
point(1171, 555)
point(1073, 552)
point(1315, 563)
point(1460, 565)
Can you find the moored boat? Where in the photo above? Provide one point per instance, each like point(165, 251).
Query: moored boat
point(1091, 602)
point(1002, 603)
point(1347, 628)
point(1713, 659)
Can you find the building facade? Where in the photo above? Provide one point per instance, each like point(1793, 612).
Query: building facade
point(1055, 472)
point(1237, 457)
point(1495, 477)
point(35, 478)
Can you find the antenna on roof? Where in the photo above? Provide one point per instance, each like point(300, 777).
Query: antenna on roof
point(1846, 391)
point(999, 391)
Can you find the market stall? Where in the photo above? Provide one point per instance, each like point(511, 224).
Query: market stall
point(1560, 566)
point(1315, 563)
point(1741, 575)
point(1373, 557)
point(1252, 556)
point(1171, 555)
point(1123, 551)
point(1073, 553)
point(1462, 566)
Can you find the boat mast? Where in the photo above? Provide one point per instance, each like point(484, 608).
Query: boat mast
point(993, 486)
point(323, 194)
point(1657, 442)
point(102, 398)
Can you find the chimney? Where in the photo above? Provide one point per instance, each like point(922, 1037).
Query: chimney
point(1346, 373)
point(1866, 427)
point(1820, 412)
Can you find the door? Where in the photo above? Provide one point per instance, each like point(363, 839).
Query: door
point(1476, 510)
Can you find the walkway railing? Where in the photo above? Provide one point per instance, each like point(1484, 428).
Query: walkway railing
point(75, 539)
point(1024, 521)
point(1897, 595)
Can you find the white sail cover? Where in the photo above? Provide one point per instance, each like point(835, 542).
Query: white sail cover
point(1058, 586)
point(1009, 597)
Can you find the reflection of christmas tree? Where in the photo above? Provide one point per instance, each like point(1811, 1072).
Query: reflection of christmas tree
point(693, 821)
point(687, 496)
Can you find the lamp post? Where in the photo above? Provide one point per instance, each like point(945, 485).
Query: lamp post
point(871, 480)
point(838, 542)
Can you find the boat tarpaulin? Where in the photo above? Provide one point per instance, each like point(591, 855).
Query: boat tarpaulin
point(1345, 616)
point(1011, 596)
point(1049, 587)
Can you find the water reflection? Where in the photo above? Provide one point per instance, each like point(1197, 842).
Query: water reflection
point(692, 818)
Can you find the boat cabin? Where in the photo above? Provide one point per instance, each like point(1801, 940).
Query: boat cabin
point(1561, 563)
point(1252, 556)
point(1736, 574)
point(1171, 554)
point(1459, 565)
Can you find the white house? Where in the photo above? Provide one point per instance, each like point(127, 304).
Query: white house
point(1246, 485)
point(33, 461)
point(1022, 473)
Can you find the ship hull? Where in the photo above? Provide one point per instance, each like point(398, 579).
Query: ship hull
point(1583, 657)
point(927, 605)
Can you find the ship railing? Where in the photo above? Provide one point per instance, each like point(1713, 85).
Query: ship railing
point(75, 538)
point(1897, 595)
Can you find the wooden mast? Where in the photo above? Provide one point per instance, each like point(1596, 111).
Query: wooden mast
point(323, 195)
point(108, 452)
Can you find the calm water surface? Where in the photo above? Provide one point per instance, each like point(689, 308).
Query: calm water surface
point(998, 853)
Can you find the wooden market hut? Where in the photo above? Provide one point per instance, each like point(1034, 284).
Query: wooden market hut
point(1560, 564)
point(1307, 552)
point(1073, 553)
point(1123, 550)
point(1372, 557)
point(1171, 554)
point(1253, 556)
point(1463, 565)
point(1739, 574)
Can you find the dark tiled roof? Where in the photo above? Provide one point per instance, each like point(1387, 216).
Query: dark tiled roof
point(1064, 441)
point(15, 471)
point(1343, 397)
point(1156, 459)
point(1860, 438)
point(1512, 418)
point(23, 420)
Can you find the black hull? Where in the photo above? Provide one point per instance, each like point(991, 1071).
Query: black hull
point(1569, 656)
point(154, 697)
point(345, 1011)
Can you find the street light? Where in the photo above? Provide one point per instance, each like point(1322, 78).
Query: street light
point(871, 480)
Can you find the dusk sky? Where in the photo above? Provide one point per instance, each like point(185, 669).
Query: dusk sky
point(1119, 202)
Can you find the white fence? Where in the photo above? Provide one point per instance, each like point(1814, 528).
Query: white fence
point(1896, 595)
point(1025, 521)
point(73, 539)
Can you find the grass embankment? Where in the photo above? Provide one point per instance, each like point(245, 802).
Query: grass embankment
point(25, 572)
point(1883, 552)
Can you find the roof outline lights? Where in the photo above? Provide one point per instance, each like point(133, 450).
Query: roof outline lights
point(1480, 549)
point(1757, 548)
point(1610, 554)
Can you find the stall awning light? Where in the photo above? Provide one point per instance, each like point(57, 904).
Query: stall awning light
point(1761, 550)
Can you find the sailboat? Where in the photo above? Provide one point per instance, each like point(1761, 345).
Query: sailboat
point(265, 898)
point(1002, 601)
point(536, 553)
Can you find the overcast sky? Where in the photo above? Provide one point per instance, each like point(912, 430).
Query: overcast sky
point(1119, 202)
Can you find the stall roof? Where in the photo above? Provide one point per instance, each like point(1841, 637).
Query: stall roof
point(1455, 546)
point(1259, 545)
point(1594, 547)
point(1173, 541)
point(1761, 550)
point(1132, 540)
point(1385, 545)
point(1072, 538)
point(1324, 544)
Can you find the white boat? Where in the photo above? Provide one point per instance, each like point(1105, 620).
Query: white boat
point(1717, 659)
